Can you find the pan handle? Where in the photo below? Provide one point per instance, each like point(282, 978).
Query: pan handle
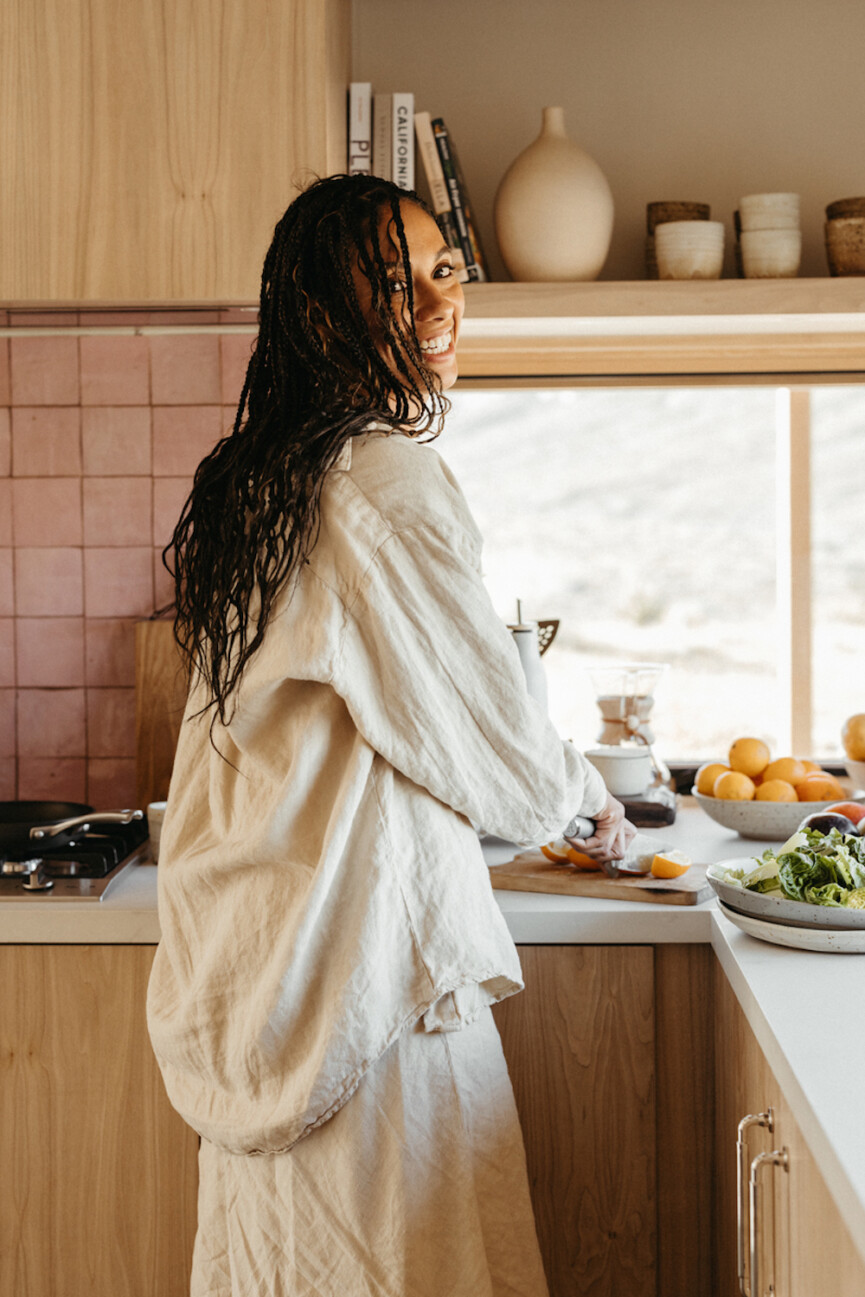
point(83, 822)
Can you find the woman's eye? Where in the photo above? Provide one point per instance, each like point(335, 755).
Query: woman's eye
point(396, 286)
point(444, 271)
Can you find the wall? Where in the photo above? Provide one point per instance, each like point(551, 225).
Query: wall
point(101, 428)
point(675, 100)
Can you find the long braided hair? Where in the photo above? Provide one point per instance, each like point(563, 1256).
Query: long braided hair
point(315, 379)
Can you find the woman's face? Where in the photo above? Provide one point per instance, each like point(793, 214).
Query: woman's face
point(438, 294)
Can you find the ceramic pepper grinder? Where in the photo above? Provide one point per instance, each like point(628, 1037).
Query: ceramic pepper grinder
point(525, 635)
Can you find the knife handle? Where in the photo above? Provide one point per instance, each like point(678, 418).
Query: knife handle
point(580, 827)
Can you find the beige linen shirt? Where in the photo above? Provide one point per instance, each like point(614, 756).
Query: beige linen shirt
point(322, 888)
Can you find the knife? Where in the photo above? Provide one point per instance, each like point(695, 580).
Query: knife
point(582, 827)
point(638, 854)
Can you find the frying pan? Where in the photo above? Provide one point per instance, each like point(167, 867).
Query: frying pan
point(61, 822)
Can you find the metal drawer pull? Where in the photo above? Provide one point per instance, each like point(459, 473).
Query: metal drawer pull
point(767, 1120)
point(778, 1157)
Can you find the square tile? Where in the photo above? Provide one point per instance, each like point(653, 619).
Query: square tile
point(46, 510)
point(51, 723)
point(8, 779)
point(235, 350)
point(184, 368)
point(111, 783)
point(5, 385)
point(46, 442)
point(118, 582)
point(7, 652)
point(169, 496)
point(7, 723)
point(115, 440)
point(52, 779)
point(5, 511)
point(50, 651)
point(48, 583)
point(109, 651)
point(114, 371)
point(7, 587)
point(44, 371)
point(163, 584)
point(183, 436)
point(5, 442)
point(111, 722)
point(117, 511)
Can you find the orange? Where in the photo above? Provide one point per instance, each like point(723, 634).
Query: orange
point(733, 786)
point(582, 861)
point(854, 811)
point(776, 790)
point(670, 864)
point(556, 851)
point(819, 787)
point(748, 756)
point(706, 776)
point(811, 766)
point(791, 770)
point(853, 736)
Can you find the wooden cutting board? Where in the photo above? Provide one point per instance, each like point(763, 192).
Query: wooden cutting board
point(530, 871)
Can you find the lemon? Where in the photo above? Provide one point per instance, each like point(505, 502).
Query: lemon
point(733, 786)
point(670, 864)
point(776, 790)
point(791, 770)
point(748, 756)
point(706, 776)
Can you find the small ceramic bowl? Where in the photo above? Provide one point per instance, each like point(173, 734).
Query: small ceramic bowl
point(689, 249)
point(845, 245)
point(856, 771)
point(766, 821)
point(770, 254)
point(769, 212)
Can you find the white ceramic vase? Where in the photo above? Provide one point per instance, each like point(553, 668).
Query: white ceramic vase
point(554, 209)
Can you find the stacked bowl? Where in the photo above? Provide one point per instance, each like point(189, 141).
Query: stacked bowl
point(845, 236)
point(662, 214)
point(769, 238)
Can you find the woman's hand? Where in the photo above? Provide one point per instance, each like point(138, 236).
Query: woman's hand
point(612, 833)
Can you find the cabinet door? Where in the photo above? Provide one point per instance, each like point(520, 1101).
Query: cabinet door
point(100, 1174)
point(580, 1045)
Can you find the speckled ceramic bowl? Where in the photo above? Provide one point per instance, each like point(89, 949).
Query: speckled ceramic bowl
point(765, 821)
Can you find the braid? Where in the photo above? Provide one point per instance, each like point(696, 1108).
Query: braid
point(316, 378)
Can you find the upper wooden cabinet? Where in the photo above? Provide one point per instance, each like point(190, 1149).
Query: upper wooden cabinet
point(148, 147)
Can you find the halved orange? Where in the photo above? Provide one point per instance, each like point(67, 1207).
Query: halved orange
point(557, 851)
point(670, 864)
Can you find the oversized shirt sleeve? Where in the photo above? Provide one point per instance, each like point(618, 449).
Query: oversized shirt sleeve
point(433, 681)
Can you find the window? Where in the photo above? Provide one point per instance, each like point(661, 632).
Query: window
point(651, 522)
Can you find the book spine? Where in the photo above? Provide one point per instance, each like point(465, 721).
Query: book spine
point(440, 135)
point(474, 233)
point(402, 136)
point(439, 196)
point(359, 161)
point(382, 120)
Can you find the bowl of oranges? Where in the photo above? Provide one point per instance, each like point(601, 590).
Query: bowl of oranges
point(758, 797)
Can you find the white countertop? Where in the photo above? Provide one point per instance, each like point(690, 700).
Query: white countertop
point(805, 1008)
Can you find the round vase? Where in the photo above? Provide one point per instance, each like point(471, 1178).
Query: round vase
point(554, 209)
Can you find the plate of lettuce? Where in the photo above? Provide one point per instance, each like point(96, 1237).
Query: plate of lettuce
point(813, 880)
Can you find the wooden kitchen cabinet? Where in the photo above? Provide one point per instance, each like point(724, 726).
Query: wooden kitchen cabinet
point(100, 1174)
point(805, 1246)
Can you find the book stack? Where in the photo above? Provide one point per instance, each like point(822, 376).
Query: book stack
point(380, 143)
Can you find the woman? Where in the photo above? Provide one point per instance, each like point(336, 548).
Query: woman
point(320, 1000)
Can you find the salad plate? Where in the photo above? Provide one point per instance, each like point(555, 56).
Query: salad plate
point(832, 941)
point(773, 907)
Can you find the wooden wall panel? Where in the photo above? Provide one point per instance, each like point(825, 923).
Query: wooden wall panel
point(160, 700)
point(147, 147)
point(100, 1173)
point(580, 1048)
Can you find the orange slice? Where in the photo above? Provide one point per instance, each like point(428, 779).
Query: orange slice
point(557, 851)
point(670, 864)
point(581, 860)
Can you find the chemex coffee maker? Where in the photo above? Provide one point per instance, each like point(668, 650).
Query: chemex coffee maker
point(625, 694)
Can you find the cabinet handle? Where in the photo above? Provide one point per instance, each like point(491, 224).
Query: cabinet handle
point(766, 1119)
point(778, 1157)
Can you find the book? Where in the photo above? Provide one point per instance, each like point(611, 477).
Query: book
point(438, 189)
point(393, 140)
point(476, 271)
point(359, 162)
point(471, 223)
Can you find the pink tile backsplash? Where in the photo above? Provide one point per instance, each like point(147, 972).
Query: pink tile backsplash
point(185, 369)
point(44, 371)
point(117, 511)
point(49, 582)
point(115, 440)
point(46, 442)
point(46, 510)
point(115, 371)
point(100, 435)
point(49, 651)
